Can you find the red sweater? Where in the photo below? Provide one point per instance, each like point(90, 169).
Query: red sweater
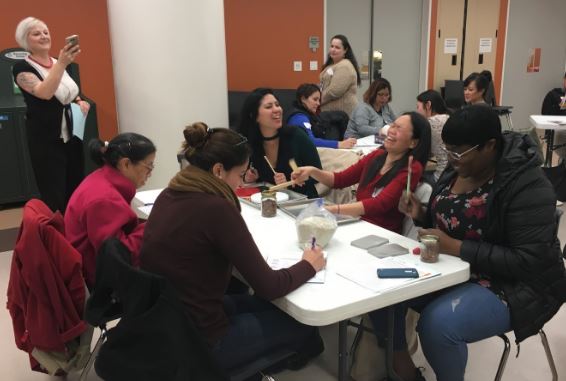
point(193, 239)
point(46, 293)
point(382, 209)
point(99, 209)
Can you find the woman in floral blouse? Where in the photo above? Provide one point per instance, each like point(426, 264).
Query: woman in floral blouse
point(494, 208)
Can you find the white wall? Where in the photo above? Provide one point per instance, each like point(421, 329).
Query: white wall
point(169, 70)
point(533, 24)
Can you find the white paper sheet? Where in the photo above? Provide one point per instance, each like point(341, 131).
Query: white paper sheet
point(450, 45)
point(366, 141)
point(148, 197)
point(364, 273)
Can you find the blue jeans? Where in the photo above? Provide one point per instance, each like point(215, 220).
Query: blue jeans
point(257, 327)
point(449, 320)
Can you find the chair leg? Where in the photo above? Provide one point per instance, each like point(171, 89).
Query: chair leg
point(358, 336)
point(93, 355)
point(504, 357)
point(548, 355)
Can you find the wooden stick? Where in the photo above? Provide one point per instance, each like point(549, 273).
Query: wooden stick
point(270, 166)
point(409, 173)
point(293, 164)
point(282, 185)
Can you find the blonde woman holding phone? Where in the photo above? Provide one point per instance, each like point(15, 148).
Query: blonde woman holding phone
point(48, 90)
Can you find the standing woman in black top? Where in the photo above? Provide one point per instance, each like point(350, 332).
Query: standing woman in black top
point(48, 90)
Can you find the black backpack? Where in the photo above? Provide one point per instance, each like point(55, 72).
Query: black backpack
point(331, 125)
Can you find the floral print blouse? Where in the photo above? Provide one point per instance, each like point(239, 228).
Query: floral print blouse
point(463, 217)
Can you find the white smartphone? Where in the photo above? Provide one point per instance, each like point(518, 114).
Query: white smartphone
point(73, 40)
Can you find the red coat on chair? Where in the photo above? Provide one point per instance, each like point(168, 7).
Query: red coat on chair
point(46, 290)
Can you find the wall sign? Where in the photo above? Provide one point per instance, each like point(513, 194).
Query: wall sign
point(450, 45)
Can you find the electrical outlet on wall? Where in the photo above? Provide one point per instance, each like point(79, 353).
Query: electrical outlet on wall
point(297, 65)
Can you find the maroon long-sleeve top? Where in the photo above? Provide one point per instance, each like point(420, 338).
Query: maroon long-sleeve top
point(194, 239)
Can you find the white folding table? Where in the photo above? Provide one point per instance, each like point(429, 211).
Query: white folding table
point(339, 299)
point(549, 123)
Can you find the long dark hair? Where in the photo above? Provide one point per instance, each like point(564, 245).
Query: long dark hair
point(349, 55)
point(206, 146)
point(248, 125)
point(421, 153)
point(437, 104)
point(133, 146)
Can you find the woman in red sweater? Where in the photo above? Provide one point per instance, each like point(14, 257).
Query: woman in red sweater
point(100, 207)
point(382, 174)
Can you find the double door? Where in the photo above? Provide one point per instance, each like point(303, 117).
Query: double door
point(466, 39)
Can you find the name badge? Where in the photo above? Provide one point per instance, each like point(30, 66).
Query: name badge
point(330, 71)
point(376, 192)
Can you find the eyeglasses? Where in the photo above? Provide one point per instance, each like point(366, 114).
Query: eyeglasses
point(149, 167)
point(458, 156)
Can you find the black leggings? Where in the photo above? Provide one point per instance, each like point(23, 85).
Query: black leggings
point(58, 169)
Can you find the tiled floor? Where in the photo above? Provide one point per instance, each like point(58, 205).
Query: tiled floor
point(484, 356)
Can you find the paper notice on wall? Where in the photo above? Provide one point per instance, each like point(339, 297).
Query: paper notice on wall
point(450, 45)
point(485, 45)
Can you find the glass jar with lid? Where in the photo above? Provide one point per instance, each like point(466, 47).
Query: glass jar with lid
point(268, 203)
